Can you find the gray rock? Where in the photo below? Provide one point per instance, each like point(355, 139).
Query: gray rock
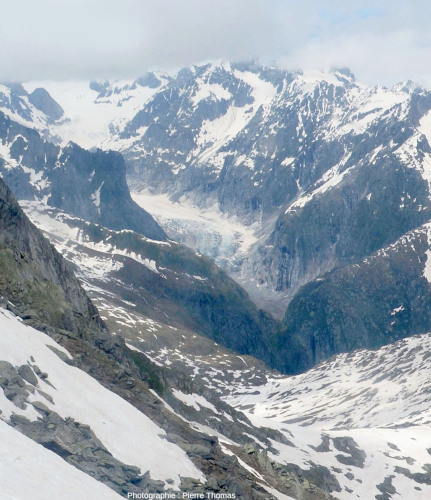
point(27, 374)
point(41, 407)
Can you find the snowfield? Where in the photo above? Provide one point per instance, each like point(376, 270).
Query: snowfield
point(128, 434)
point(28, 470)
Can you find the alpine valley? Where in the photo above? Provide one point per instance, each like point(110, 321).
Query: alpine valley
point(215, 284)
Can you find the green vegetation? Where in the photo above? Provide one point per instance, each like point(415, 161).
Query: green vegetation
point(22, 284)
point(150, 373)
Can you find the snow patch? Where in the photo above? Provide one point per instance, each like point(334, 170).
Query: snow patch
point(427, 268)
point(194, 400)
point(214, 91)
point(95, 197)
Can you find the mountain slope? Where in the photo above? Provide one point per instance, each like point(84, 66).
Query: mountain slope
point(316, 445)
point(29, 467)
point(329, 171)
point(303, 155)
point(191, 399)
point(368, 411)
point(48, 393)
point(164, 280)
point(376, 301)
point(36, 279)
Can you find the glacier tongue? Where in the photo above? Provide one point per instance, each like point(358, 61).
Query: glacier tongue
point(208, 231)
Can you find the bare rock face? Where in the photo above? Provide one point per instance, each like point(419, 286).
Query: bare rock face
point(41, 100)
point(92, 185)
point(37, 283)
point(376, 301)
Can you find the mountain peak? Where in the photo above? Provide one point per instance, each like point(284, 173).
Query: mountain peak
point(42, 100)
point(220, 64)
point(344, 73)
point(335, 77)
point(409, 87)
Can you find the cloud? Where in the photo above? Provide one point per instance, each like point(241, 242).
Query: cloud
point(62, 39)
point(383, 45)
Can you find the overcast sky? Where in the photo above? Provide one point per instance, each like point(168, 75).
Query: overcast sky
point(381, 41)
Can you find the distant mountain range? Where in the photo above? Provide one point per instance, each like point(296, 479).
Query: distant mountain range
point(311, 191)
point(286, 177)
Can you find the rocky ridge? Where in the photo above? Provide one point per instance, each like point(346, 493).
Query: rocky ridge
point(91, 185)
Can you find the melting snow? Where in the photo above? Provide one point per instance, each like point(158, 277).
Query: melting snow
point(28, 470)
point(194, 400)
point(96, 196)
point(126, 432)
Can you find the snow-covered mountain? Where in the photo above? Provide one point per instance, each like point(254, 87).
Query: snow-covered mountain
point(35, 109)
point(359, 422)
point(367, 410)
point(281, 177)
point(267, 147)
point(60, 397)
point(287, 179)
